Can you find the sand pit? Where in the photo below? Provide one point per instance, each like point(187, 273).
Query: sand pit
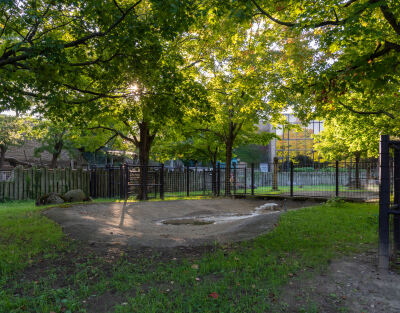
point(171, 223)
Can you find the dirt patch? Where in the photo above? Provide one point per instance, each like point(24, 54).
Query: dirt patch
point(352, 284)
point(139, 224)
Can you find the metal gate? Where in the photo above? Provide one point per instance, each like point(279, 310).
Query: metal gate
point(144, 181)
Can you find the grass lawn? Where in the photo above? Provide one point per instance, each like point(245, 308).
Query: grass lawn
point(44, 271)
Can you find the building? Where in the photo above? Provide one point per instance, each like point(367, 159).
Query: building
point(295, 140)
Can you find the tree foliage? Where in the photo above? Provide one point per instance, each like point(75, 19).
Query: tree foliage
point(13, 131)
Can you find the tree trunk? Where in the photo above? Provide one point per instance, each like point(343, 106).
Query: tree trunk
point(358, 183)
point(55, 155)
point(2, 156)
point(229, 148)
point(214, 173)
point(144, 146)
point(275, 175)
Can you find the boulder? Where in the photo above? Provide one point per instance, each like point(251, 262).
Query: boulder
point(76, 195)
point(51, 198)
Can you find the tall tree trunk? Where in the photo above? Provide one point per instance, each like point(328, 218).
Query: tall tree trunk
point(275, 175)
point(55, 155)
point(358, 183)
point(214, 172)
point(144, 145)
point(3, 150)
point(228, 156)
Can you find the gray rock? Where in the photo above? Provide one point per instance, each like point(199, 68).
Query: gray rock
point(76, 195)
point(51, 198)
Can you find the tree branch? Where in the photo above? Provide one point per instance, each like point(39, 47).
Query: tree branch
point(102, 34)
point(116, 132)
point(320, 24)
point(367, 112)
point(391, 18)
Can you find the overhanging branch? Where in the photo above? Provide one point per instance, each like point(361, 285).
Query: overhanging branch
point(379, 112)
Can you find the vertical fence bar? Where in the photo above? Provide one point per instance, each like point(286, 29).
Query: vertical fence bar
point(245, 180)
point(162, 181)
point(109, 180)
point(234, 178)
point(291, 178)
point(218, 179)
point(187, 181)
point(384, 203)
point(396, 217)
point(126, 194)
point(252, 179)
point(121, 181)
point(337, 179)
point(204, 181)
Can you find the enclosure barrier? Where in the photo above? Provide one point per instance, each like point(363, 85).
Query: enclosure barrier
point(389, 211)
point(347, 179)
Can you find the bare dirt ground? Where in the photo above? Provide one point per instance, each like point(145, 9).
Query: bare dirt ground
point(351, 284)
point(139, 224)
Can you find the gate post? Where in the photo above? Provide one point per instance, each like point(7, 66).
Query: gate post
point(187, 181)
point(93, 181)
point(396, 217)
point(245, 180)
point(108, 168)
point(204, 181)
point(234, 178)
point(121, 181)
point(291, 178)
point(384, 203)
point(337, 179)
point(126, 181)
point(162, 181)
point(218, 179)
point(252, 179)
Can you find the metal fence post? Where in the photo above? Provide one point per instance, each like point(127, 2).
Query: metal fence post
point(162, 181)
point(252, 179)
point(121, 181)
point(234, 178)
point(384, 203)
point(337, 179)
point(187, 181)
point(126, 181)
point(218, 179)
point(245, 180)
point(109, 180)
point(396, 217)
point(93, 181)
point(204, 181)
point(291, 178)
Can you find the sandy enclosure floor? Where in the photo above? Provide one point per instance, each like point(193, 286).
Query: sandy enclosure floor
point(140, 224)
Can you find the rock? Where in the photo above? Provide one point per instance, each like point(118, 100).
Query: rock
point(51, 198)
point(76, 195)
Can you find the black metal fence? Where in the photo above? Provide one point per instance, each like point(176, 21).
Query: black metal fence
point(355, 180)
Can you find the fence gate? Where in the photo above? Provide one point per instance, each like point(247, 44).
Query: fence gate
point(143, 181)
point(389, 212)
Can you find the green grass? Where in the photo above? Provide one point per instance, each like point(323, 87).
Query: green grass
point(247, 277)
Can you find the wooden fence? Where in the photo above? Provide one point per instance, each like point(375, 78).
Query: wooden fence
point(32, 183)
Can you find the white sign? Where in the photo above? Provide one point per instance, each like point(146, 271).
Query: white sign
point(264, 167)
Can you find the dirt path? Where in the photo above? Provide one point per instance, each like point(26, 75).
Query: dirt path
point(352, 284)
point(140, 224)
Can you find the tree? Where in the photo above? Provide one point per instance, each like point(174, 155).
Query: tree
point(12, 133)
point(348, 136)
point(159, 96)
point(71, 52)
point(355, 50)
point(237, 72)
